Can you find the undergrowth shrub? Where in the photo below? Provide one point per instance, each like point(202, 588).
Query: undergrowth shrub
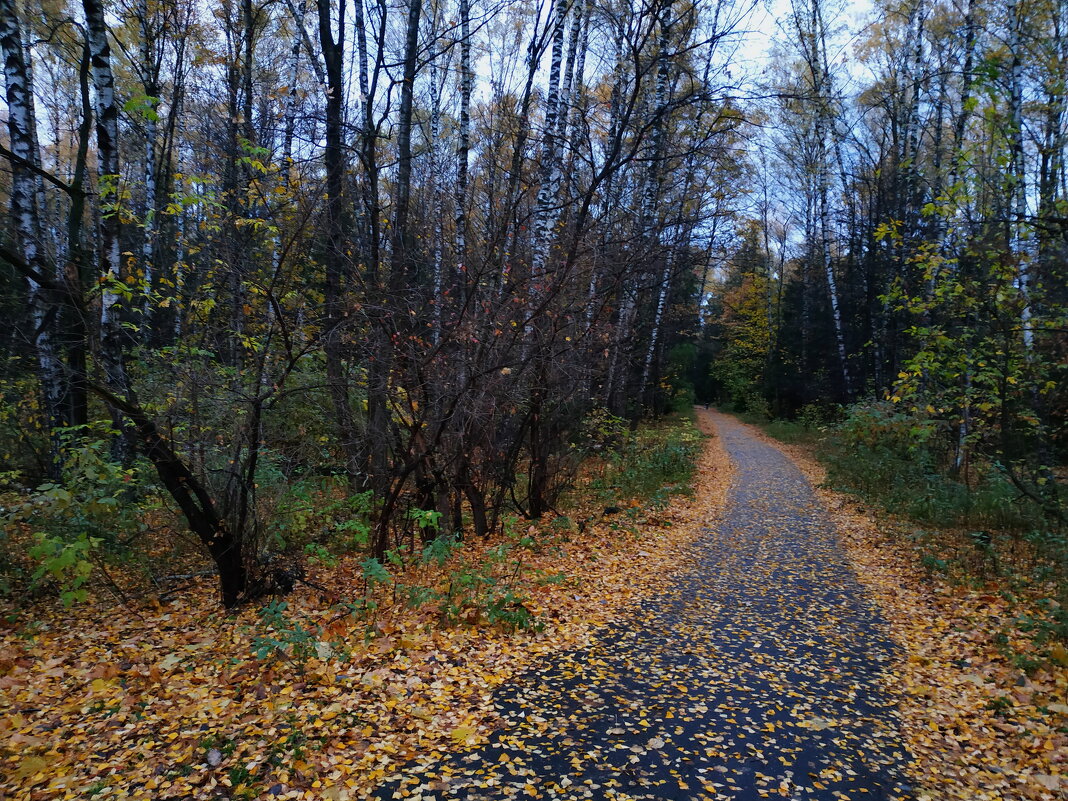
point(652, 462)
point(600, 430)
point(24, 442)
point(788, 431)
point(900, 461)
point(461, 584)
point(53, 535)
point(279, 635)
point(321, 511)
point(483, 587)
point(981, 525)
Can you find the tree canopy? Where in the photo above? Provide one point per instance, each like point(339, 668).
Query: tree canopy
point(420, 245)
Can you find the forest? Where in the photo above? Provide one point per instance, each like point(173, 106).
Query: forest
point(330, 297)
point(255, 243)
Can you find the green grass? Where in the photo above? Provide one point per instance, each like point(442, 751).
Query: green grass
point(968, 531)
point(790, 432)
point(895, 462)
point(652, 463)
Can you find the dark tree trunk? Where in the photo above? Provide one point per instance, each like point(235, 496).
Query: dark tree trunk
point(336, 260)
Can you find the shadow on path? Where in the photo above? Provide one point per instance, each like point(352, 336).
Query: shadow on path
point(757, 676)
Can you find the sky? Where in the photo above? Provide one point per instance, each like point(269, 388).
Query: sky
point(762, 26)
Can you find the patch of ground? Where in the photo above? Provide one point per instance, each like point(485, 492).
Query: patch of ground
point(757, 673)
point(980, 727)
point(166, 701)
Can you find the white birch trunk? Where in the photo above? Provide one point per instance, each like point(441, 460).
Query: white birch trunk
point(964, 426)
point(832, 289)
point(683, 244)
point(50, 245)
point(563, 117)
point(651, 194)
point(25, 212)
point(463, 147)
point(612, 384)
point(148, 246)
point(304, 39)
point(367, 208)
point(151, 88)
point(543, 218)
point(823, 97)
point(290, 103)
point(107, 140)
point(434, 168)
point(179, 271)
point(654, 335)
point(914, 70)
point(824, 212)
point(578, 87)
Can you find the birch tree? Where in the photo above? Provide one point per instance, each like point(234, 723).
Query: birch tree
point(26, 220)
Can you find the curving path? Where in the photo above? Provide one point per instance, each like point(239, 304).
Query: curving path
point(756, 677)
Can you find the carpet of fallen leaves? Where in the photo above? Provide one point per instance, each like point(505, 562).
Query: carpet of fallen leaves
point(757, 674)
point(979, 727)
point(166, 701)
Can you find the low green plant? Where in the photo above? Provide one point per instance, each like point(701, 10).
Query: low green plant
point(1048, 622)
point(96, 512)
point(655, 458)
point(1027, 663)
point(999, 705)
point(899, 460)
point(486, 589)
point(65, 562)
point(279, 636)
point(600, 431)
point(317, 553)
point(789, 431)
point(562, 523)
point(323, 510)
point(426, 520)
point(509, 611)
point(933, 564)
point(551, 578)
point(439, 550)
point(98, 496)
point(226, 746)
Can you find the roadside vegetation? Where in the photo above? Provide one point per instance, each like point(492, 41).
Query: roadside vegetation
point(971, 580)
point(364, 665)
point(109, 531)
point(971, 527)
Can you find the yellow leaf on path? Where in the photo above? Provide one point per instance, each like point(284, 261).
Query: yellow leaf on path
point(332, 711)
point(30, 766)
point(463, 733)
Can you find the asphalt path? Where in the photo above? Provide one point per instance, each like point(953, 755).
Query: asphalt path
point(757, 676)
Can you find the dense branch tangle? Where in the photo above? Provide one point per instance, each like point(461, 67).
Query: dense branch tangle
point(413, 243)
